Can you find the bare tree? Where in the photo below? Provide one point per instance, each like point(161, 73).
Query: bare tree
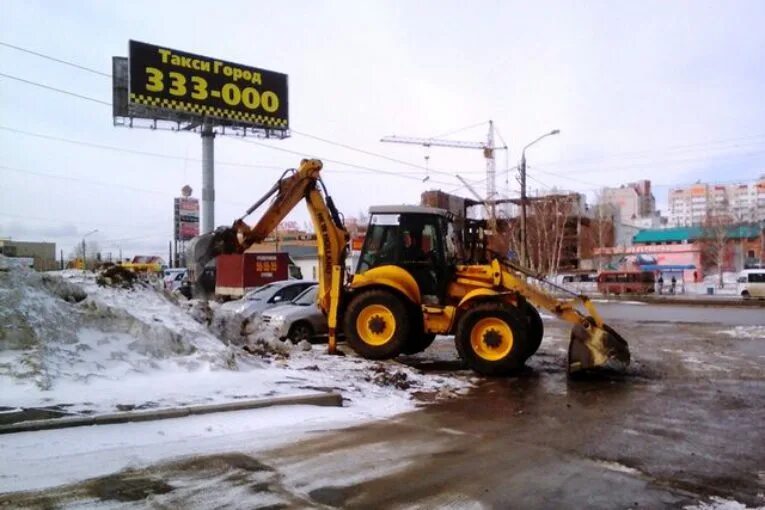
point(714, 236)
point(603, 225)
point(549, 219)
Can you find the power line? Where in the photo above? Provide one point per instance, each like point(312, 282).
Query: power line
point(75, 223)
point(458, 130)
point(54, 59)
point(375, 154)
point(131, 151)
point(62, 91)
point(111, 185)
point(352, 165)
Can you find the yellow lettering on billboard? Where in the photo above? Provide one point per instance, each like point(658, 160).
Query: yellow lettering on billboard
point(177, 84)
point(200, 88)
point(155, 80)
point(269, 101)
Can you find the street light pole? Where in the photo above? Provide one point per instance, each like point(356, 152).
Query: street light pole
point(524, 250)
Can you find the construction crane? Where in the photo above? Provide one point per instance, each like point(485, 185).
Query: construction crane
point(488, 147)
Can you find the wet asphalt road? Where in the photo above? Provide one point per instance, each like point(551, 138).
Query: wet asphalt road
point(686, 423)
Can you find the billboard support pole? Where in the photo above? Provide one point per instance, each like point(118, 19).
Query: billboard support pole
point(208, 177)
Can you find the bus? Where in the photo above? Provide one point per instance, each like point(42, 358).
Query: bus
point(626, 282)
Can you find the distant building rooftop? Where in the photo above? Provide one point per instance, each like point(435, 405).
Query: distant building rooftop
point(690, 234)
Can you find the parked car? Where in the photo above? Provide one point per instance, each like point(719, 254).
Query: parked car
point(301, 319)
point(256, 301)
point(173, 278)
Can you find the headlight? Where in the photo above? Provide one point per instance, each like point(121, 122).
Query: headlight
point(277, 321)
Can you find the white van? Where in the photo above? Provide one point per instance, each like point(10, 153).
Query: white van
point(751, 283)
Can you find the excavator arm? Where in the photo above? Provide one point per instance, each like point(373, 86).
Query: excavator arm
point(331, 236)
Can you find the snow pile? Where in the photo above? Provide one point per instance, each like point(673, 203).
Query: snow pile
point(717, 503)
point(745, 332)
point(63, 327)
point(77, 346)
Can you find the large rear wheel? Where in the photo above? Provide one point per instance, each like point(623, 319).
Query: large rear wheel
point(535, 329)
point(491, 338)
point(376, 324)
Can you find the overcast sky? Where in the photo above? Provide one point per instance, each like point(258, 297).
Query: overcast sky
point(667, 91)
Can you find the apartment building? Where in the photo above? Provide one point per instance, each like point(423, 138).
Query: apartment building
point(633, 200)
point(690, 205)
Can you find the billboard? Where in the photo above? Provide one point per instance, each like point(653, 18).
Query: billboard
point(186, 218)
point(165, 80)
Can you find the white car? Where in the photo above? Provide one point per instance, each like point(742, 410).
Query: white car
point(301, 319)
point(256, 301)
point(173, 278)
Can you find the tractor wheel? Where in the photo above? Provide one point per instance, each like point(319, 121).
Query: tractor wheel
point(535, 329)
point(376, 324)
point(417, 342)
point(491, 338)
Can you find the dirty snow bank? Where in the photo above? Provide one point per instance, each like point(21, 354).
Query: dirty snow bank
point(717, 503)
point(69, 344)
point(745, 332)
point(62, 335)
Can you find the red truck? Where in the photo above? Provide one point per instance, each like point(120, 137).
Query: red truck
point(238, 273)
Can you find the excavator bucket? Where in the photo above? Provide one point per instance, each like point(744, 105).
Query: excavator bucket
point(597, 348)
point(206, 247)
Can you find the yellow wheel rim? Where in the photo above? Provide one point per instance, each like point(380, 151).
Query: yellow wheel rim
point(376, 325)
point(491, 338)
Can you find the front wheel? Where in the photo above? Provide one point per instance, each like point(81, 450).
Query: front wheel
point(376, 324)
point(300, 331)
point(491, 338)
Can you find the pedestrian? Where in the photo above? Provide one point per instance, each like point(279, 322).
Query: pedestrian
point(695, 277)
point(661, 284)
point(674, 283)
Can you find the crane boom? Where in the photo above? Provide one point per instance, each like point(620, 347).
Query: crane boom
point(433, 142)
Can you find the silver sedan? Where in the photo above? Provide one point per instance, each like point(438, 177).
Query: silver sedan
point(302, 319)
point(268, 296)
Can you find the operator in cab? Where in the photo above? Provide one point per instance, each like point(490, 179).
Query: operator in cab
point(411, 251)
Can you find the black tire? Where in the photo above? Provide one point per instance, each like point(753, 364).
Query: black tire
point(535, 329)
point(745, 294)
point(418, 342)
point(392, 336)
point(507, 361)
point(300, 331)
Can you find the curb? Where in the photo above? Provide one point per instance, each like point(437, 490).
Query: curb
point(731, 302)
point(321, 399)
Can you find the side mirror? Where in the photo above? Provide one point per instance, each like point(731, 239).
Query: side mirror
point(276, 299)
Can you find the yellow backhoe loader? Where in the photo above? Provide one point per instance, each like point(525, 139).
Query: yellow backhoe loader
point(421, 273)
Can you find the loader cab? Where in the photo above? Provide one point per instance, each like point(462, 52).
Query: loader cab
point(417, 239)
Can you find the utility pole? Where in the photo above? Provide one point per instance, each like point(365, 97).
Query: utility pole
point(208, 177)
point(524, 261)
point(524, 247)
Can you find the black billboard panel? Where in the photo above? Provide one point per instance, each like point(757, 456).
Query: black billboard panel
point(166, 79)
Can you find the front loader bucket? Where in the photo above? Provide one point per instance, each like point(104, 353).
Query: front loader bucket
point(597, 348)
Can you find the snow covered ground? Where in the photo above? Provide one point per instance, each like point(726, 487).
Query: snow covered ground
point(73, 346)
